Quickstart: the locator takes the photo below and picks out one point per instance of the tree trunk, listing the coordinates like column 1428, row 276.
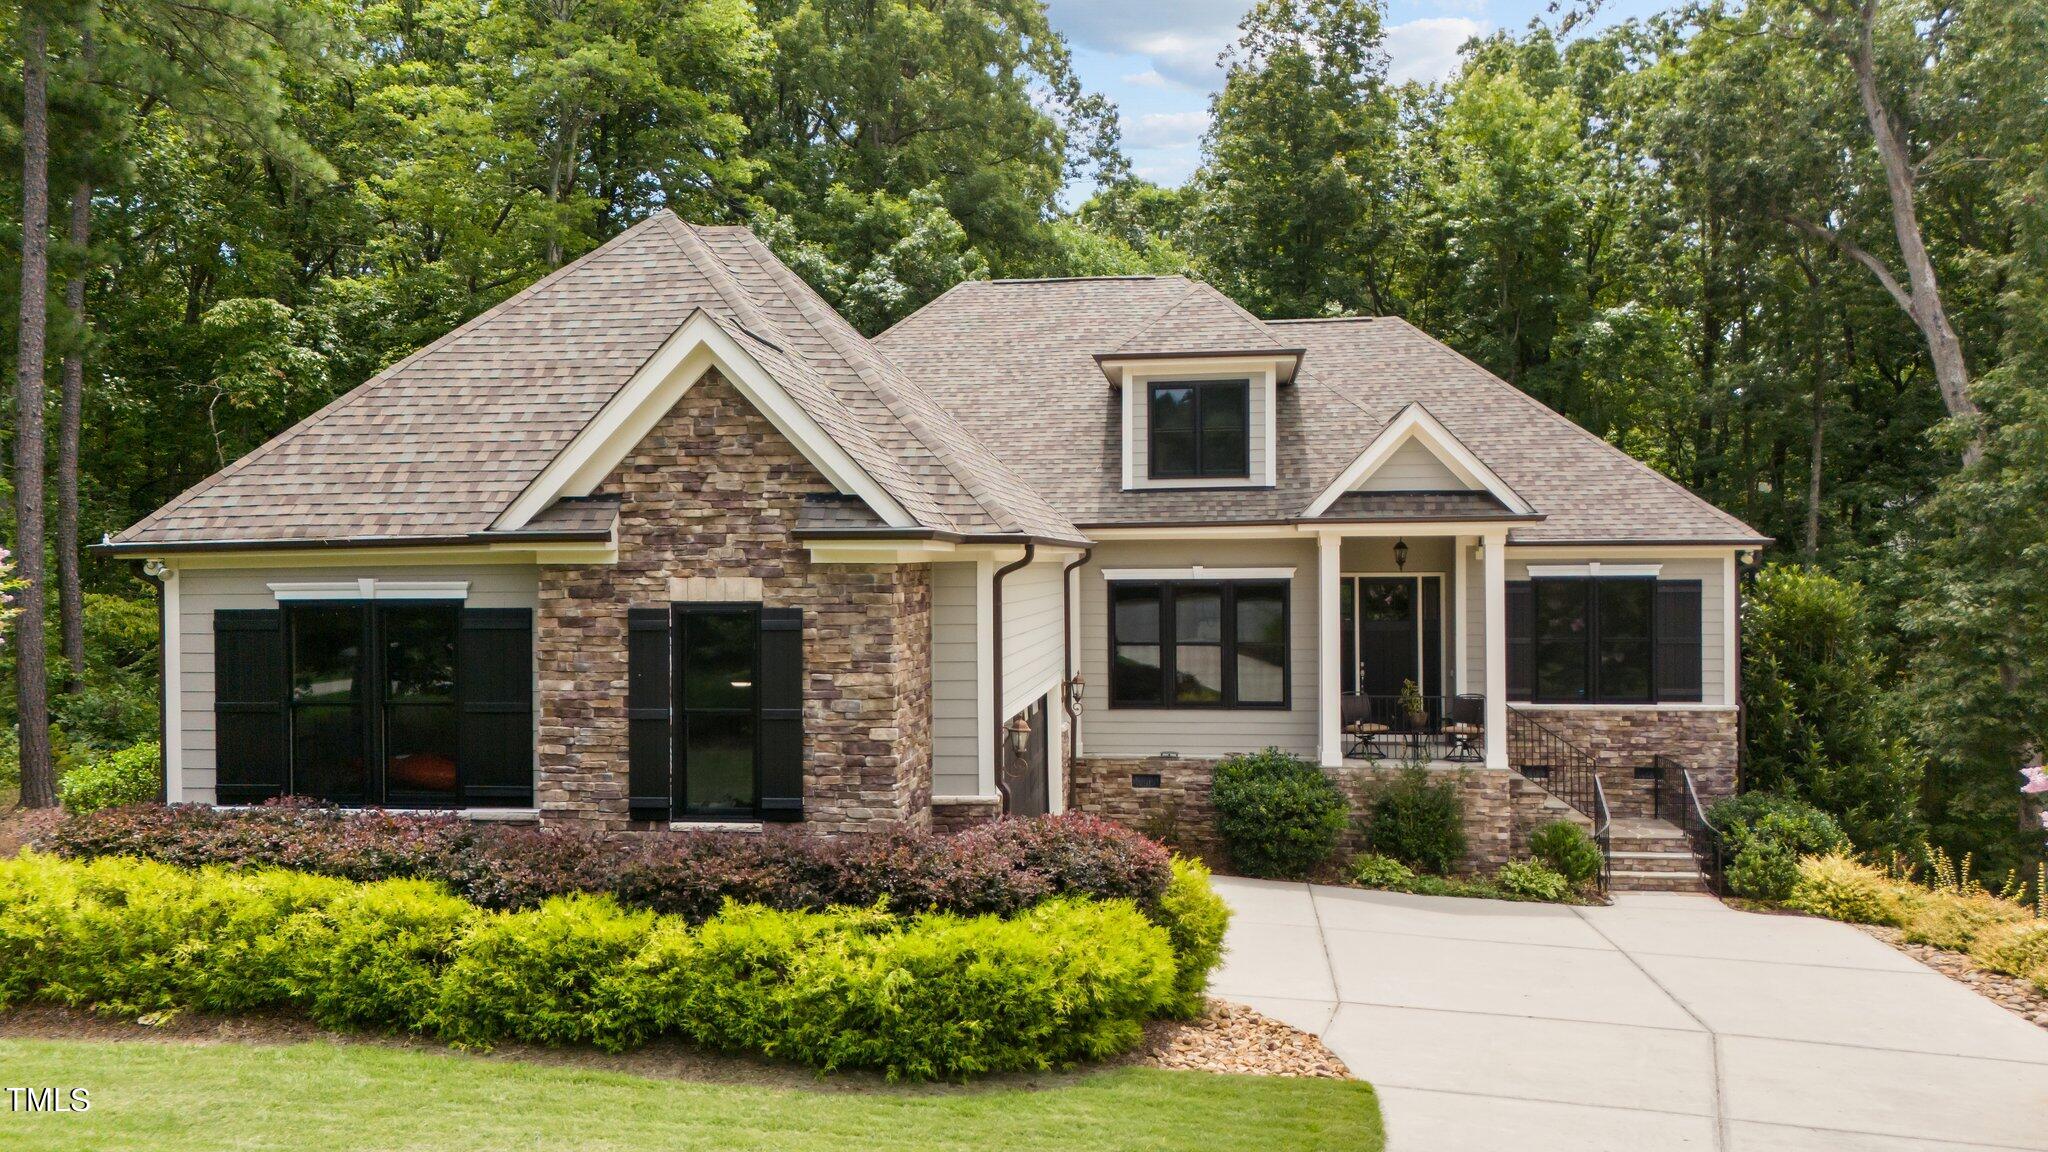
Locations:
column 1923, row 302
column 1813, row 470
column 70, row 412
column 32, row 687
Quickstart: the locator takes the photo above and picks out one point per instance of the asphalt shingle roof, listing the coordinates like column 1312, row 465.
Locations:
column 1015, row 360
column 439, row 444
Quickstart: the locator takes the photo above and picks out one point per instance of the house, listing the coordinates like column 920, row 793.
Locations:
column 662, row 539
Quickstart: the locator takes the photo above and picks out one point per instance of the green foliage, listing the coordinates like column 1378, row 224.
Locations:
column 1418, row 818
column 1839, row 887
column 2016, row 948
column 924, row 997
column 1195, row 919
column 129, row 776
column 1568, row 850
column 1954, row 920
column 1293, row 191
column 1816, row 730
column 1530, row 880
column 1372, row 870
column 1279, row 815
column 1766, row 836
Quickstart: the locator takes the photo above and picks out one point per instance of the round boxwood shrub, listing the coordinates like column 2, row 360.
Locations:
column 1568, row 850
column 1278, row 814
column 1418, row 818
column 1766, row 836
column 128, row 776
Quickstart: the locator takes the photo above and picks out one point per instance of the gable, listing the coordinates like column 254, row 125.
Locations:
column 1413, row 468
column 1415, row 425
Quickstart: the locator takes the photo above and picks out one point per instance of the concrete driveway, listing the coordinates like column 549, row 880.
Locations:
column 1663, row 1022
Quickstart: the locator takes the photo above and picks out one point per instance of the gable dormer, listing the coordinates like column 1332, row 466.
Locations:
column 1197, row 388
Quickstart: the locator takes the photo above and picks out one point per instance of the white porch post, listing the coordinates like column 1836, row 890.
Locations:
column 1329, row 680
column 1496, row 624
column 1460, row 618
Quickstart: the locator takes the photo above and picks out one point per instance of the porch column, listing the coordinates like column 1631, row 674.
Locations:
column 1460, row 618
column 1496, row 625
column 1329, row 679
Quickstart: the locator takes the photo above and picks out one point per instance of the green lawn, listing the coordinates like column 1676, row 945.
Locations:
column 324, row 1096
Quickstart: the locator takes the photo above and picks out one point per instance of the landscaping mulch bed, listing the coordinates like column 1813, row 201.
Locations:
column 1232, row 1038
column 2015, row 995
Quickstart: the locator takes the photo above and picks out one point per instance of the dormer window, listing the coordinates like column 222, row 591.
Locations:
column 1200, row 429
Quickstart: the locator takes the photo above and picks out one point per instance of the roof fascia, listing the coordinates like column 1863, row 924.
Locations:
column 697, row 345
column 1281, row 361
column 1415, row 422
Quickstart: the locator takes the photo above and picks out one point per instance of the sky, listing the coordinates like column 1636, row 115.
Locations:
column 1157, row 58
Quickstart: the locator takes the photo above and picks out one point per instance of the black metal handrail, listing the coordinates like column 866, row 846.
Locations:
column 1381, row 727
column 1566, row 770
column 1603, row 833
column 1677, row 800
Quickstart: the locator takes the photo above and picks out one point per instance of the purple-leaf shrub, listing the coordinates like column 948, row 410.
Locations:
column 1001, row 868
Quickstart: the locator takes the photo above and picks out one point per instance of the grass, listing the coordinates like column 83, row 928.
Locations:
column 173, row 1096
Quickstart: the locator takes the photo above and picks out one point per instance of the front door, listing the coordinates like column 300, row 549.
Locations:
column 1392, row 633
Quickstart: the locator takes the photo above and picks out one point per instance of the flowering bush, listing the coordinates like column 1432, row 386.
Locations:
column 997, row 868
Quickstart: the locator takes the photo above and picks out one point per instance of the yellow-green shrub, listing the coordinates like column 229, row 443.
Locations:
column 1195, row 918
column 2016, row 948
column 921, row 996
column 1953, row 920
column 1840, row 888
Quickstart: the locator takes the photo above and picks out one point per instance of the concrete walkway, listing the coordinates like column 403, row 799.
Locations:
column 1664, row 1022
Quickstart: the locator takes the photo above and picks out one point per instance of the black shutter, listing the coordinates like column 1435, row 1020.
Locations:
column 1678, row 640
column 494, row 693
column 781, row 701
column 1521, row 639
column 252, row 740
column 649, row 723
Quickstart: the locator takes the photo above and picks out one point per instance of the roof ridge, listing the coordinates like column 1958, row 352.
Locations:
column 1243, row 312
column 1154, row 318
column 863, row 357
column 359, row 392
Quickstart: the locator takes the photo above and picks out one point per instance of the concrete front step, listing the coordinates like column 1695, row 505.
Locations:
column 1654, row 861
column 1623, row 881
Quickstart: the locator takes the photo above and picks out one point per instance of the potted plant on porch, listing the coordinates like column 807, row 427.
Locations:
column 1412, row 705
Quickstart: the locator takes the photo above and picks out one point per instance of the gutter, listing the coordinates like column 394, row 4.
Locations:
column 1067, row 651
column 144, row 548
column 163, row 688
column 995, row 641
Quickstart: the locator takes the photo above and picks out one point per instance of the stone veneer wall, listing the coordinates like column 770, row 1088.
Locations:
column 1179, row 810
column 1703, row 740
column 713, row 492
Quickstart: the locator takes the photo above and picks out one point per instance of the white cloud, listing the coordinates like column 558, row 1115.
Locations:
column 1181, row 41
column 1149, row 78
column 1166, row 129
column 1427, row 49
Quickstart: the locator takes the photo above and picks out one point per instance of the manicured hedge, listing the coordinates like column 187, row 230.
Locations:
column 931, row 996
column 1002, row 867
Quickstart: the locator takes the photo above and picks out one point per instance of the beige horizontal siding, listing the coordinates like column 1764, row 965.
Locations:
column 956, row 764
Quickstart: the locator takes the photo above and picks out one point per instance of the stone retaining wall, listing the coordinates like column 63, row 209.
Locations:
column 711, row 495
column 1702, row 740
column 1178, row 810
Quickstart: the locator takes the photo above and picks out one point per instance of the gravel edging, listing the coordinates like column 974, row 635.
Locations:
column 2011, row 993
column 1232, row 1038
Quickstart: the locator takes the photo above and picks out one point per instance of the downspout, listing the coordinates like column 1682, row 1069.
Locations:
column 163, row 683
column 995, row 641
column 1067, row 649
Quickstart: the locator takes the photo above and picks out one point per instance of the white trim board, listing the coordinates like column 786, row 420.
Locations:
column 368, row 588
column 1593, row 568
column 1415, row 423
column 695, row 347
column 1198, row 572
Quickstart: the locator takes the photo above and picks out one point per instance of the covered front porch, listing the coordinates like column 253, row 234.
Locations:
column 1411, row 662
